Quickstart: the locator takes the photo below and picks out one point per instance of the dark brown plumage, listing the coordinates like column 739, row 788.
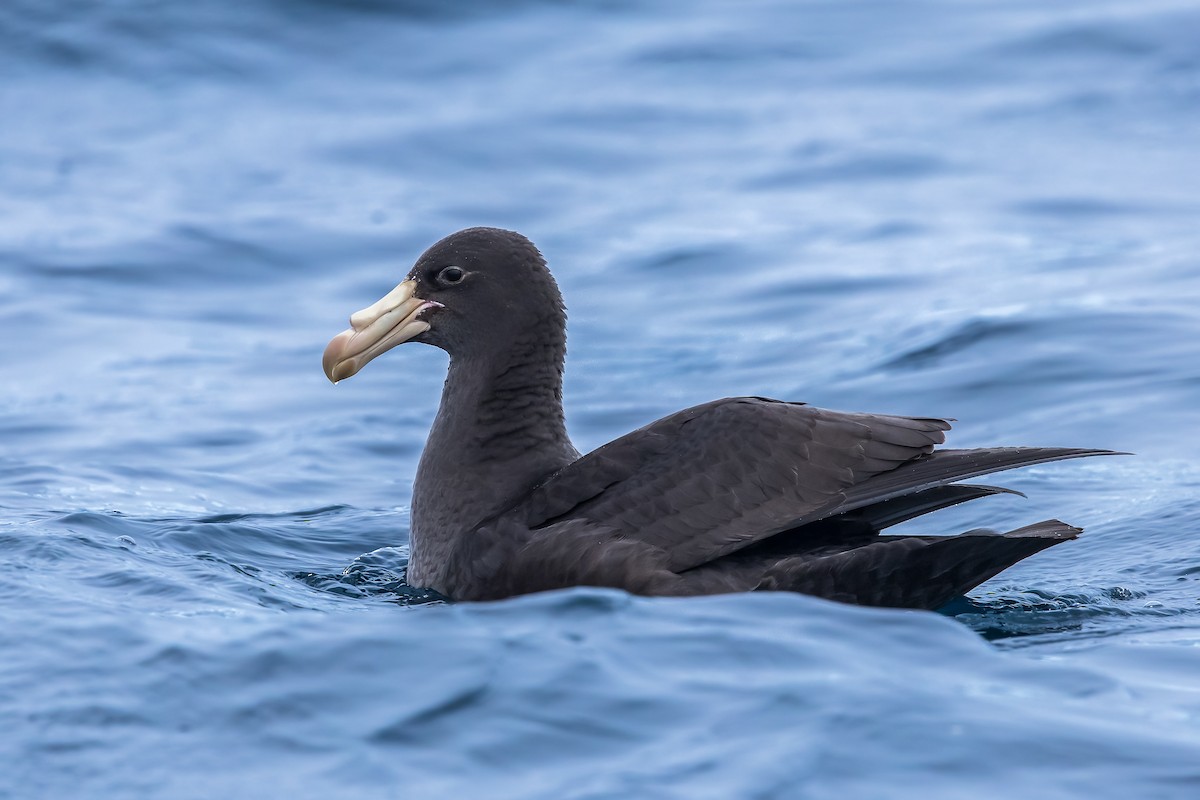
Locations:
column 734, row 495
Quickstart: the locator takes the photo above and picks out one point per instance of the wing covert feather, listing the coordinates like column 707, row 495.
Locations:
column 711, row 479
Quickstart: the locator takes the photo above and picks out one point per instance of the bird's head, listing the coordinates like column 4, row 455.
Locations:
column 474, row 293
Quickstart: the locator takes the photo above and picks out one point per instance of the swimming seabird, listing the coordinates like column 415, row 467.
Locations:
column 733, row 495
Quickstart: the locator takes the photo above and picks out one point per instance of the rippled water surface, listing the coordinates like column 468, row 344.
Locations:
column 981, row 210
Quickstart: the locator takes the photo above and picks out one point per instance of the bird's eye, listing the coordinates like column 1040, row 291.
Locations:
column 451, row 275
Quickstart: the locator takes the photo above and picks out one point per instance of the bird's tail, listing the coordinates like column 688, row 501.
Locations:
column 914, row 571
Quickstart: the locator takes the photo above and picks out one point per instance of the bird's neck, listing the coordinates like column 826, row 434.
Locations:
column 499, row 432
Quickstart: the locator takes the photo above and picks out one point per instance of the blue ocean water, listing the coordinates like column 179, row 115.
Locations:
column 982, row 210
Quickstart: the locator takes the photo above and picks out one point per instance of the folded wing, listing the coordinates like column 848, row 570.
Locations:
column 715, row 478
